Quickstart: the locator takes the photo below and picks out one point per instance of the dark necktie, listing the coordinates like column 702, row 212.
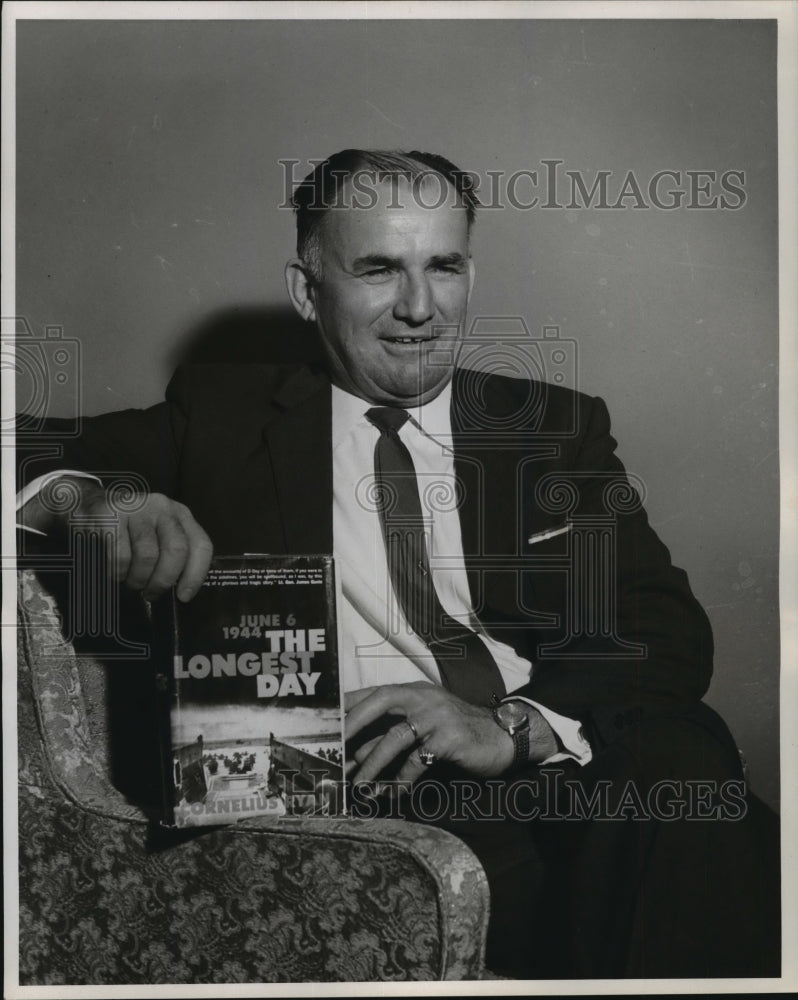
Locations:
column 467, row 668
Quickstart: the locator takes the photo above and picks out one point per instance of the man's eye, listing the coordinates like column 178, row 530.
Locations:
column 447, row 269
column 377, row 273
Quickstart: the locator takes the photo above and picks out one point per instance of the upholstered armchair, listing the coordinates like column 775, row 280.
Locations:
column 106, row 896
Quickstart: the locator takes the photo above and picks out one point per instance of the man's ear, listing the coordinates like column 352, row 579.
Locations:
column 472, row 273
column 299, row 283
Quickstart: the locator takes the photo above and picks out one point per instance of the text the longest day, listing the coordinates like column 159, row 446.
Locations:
column 290, row 653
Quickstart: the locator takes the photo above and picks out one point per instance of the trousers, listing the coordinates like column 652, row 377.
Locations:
column 653, row 860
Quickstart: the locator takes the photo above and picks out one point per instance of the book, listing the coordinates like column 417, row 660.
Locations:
column 251, row 708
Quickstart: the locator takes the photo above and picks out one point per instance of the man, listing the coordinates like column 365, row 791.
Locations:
column 606, row 659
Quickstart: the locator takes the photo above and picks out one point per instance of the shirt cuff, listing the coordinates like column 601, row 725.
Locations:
column 35, row 486
column 568, row 732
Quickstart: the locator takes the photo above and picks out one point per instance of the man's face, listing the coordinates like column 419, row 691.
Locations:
column 393, row 292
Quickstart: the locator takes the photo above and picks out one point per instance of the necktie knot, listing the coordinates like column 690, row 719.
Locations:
column 387, row 418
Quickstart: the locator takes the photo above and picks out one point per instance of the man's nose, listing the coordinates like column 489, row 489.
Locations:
column 414, row 304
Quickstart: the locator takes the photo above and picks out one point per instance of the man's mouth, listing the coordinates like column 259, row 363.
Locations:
column 408, row 340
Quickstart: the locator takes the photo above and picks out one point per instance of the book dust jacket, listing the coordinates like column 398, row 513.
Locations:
column 250, row 697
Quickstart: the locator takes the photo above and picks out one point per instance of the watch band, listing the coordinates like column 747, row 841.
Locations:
column 521, row 744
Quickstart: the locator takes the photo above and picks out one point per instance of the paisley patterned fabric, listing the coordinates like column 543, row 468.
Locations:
column 107, row 897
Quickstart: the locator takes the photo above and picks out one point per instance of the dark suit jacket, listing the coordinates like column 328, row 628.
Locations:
column 248, row 450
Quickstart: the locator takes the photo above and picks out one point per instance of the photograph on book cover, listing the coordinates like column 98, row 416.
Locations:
column 484, row 302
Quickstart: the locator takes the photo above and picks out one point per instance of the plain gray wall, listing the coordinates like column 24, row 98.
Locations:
column 148, row 187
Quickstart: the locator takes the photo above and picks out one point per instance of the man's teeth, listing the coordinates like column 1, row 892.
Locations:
column 407, row 340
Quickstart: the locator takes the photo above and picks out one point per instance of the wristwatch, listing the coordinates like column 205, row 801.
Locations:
column 513, row 718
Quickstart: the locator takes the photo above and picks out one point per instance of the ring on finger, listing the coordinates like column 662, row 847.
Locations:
column 413, row 729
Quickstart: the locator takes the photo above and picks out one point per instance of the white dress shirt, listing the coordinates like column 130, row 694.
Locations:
column 377, row 644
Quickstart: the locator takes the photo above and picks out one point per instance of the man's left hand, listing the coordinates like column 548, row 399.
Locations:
column 432, row 720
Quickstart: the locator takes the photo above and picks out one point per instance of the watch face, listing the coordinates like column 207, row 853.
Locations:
column 511, row 714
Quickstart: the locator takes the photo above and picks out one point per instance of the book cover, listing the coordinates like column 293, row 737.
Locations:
column 251, row 701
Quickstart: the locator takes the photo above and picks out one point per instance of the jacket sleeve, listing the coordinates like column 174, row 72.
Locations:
column 632, row 637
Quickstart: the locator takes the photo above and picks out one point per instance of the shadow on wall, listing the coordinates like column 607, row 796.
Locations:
column 249, row 334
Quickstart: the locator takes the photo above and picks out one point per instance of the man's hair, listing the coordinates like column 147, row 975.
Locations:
column 322, row 189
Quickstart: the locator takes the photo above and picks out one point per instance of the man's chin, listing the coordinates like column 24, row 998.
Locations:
column 392, row 388
column 410, row 394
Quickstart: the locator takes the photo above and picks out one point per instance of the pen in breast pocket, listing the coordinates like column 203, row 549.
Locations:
column 543, row 536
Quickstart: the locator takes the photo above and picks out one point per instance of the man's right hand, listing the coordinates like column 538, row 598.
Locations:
column 157, row 543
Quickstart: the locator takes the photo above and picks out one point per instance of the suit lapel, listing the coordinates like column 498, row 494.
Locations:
column 298, row 435
column 498, row 462
column 488, row 514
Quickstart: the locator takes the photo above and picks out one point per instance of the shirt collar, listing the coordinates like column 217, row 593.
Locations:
column 433, row 418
